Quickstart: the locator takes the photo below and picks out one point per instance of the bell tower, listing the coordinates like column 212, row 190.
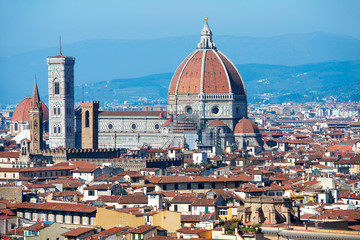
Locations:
column 61, row 101
column 36, row 123
column 89, row 124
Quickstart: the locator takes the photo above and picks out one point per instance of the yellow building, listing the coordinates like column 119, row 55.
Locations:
column 227, row 212
column 304, row 197
column 133, row 217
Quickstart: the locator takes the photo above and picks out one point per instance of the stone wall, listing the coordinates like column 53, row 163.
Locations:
column 13, row 193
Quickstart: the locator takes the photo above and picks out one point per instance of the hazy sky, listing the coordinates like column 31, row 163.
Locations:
column 28, row 25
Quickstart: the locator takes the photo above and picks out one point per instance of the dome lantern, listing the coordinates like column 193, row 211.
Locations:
column 206, row 37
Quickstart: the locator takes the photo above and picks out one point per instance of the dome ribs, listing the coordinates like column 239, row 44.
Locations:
column 236, row 81
column 177, row 73
column 188, row 83
column 213, row 79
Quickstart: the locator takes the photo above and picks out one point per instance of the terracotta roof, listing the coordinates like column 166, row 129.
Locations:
column 61, row 56
column 9, row 154
column 215, row 73
column 167, row 123
column 126, row 199
column 184, row 198
column 217, row 123
column 133, row 113
column 245, row 125
column 142, row 229
column 340, row 148
column 83, row 166
column 56, row 207
column 185, row 179
column 77, row 232
column 107, row 233
column 21, row 112
column 34, row 227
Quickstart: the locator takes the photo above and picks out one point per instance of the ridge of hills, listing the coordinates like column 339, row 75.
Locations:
column 102, row 60
column 264, row 83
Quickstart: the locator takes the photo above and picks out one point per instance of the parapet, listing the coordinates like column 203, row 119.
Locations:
column 87, row 104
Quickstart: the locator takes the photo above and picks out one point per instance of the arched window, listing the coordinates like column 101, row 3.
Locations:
column 23, row 150
column 58, row 111
column 35, row 124
column 54, row 129
column 56, row 88
column 54, row 111
column 59, row 130
column 87, row 119
column 16, row 127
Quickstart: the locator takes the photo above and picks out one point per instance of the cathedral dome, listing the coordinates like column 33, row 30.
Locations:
column 22, row 110
column 206, row 71
column 245, row 125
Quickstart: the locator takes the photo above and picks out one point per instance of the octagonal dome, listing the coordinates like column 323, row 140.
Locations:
column 207, row 71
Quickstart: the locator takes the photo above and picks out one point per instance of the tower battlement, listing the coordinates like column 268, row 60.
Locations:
column 85, row 104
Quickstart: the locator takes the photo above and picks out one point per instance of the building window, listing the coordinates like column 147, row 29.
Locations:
column 110, row 126
column 157, row 126
column 54, row 111
column 133, row 126
column 201, row 186
column 59, row 130
column 54, row 129
column 175, row 207
column 189, row 186
column 16, row 127
column 164, row 187
column 189, row 110
column 87, row 119
column 222, row 212
column 213, row 185
column 57, row 88
column 91, row 193
column 215, row 110
column 176, row 186
column 58, row 111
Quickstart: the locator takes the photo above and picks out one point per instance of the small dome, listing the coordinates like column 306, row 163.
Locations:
column 245, row 125
column 22, row 111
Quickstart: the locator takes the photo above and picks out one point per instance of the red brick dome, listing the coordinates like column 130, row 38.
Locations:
column 22, row 110
column 245, row 125
column 206, row 71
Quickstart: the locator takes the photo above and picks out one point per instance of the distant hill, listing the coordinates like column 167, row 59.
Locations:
column 264, row 83
column 104, row 59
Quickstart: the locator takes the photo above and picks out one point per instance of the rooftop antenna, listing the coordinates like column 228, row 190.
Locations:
column 60, row 44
